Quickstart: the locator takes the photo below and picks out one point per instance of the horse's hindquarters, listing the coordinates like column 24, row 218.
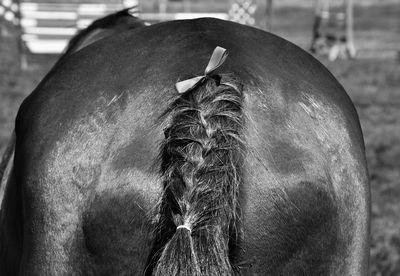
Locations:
column 305, row 197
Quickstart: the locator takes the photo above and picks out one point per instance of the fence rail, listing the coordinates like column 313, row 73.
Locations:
column 47, row 27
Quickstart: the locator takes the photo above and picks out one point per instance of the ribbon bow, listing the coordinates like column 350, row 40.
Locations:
column 217, row 59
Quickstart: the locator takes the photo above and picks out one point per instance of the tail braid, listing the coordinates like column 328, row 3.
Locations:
column 201, row 161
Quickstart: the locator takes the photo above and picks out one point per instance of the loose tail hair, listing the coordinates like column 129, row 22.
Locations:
column 5, row 159
column 201, row 163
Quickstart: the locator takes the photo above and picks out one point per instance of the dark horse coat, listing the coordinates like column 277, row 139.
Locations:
column 109, row 25
column 258, row 170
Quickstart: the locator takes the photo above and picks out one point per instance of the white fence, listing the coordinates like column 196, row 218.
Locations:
column 47, row 27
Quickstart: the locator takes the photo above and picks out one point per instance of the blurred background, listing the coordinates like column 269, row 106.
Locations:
column 358, row 40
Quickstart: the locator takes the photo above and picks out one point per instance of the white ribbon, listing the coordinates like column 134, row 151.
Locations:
column 185, row 226
column 217, row 59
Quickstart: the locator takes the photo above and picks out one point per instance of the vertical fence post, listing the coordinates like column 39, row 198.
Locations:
column 321, row 10
column 349, row 29
column 269, row 13
column 187, row 6
column 162, row 6
column 23, row 59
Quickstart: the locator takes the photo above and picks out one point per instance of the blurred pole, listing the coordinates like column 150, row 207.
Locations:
column 321, row 14
column 23, row 58
column 269, row 14
column 186, row 6
column 318, row 9
column 321, row 8
column 349, row 29
column 162, row 6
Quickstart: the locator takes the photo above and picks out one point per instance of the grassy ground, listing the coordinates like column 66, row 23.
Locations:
column 373, row 84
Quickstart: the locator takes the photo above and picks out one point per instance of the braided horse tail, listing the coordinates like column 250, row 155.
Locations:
column 201, row 163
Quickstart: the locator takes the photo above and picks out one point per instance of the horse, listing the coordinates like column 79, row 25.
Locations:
column 111, row 24
column 130, row 158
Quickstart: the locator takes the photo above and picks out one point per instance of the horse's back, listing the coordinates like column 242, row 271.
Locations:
column 87, row 154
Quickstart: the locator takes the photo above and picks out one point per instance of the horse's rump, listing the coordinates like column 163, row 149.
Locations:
column 266, row 176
